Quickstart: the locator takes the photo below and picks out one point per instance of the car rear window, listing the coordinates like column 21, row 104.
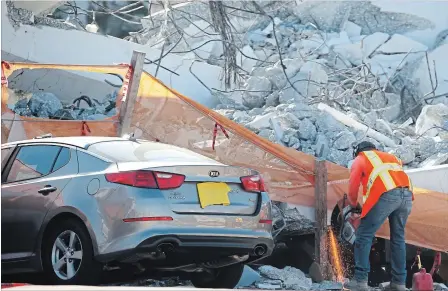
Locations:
column 129, row 151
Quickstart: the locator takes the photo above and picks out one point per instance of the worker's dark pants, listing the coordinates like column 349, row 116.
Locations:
column 396, row 205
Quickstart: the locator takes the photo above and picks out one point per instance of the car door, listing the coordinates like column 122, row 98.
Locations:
column 31, row 180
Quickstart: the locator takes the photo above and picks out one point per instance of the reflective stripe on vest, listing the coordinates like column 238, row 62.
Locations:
column 380, row 170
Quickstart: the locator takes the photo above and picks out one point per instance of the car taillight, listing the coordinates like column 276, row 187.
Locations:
column 169, row 181
column 253, row 183
column 147, row 179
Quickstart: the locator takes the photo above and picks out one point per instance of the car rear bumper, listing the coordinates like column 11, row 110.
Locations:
column 192, row 249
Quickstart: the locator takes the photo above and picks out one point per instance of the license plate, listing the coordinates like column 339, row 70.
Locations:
column 211, row 193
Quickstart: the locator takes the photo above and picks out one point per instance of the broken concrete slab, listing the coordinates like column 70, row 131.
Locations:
column 292, row 278
column 400, row 44
column 435, row 160
column 352, row 29
column 44, row 105
column 330, row 16
column 340, row 157
column 292, row 66
column 405, row 153
column 344, row 140
column 392, row 110
column 310, row 79
column 426, row 147
column 257, row 89
column 383, row 127
column 341, row 39
column 301, row 110
column 273, row 99
column 372, row 42
column 307, row 130
column 351, row 52
column 289, row 120
column 262, row 121
column 232, row 99
column 241, row 116
column 356, row 125
column 247, row 59
column 276, row 76
column 431, row 117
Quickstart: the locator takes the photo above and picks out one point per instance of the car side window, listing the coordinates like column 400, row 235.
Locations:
column 62, row 159
column 33, row 162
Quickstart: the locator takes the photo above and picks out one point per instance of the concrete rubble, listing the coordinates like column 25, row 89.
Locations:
column 289, row 278
column 265, row 278
column 316, row 76
column 340, row 64
column 48, row 105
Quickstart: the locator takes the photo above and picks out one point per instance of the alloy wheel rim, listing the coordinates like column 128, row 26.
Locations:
column 66, row 255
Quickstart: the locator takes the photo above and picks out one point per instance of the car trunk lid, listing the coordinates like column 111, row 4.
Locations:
column 214, row 188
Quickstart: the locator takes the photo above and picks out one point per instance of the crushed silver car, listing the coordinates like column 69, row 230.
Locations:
column 72, row 205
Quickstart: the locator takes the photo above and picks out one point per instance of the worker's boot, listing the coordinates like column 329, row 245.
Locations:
column 354, row 285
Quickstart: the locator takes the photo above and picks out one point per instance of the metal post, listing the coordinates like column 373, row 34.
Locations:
column 127, row 106
column 321, row 238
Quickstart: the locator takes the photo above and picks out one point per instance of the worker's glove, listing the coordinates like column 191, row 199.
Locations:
column 346, row 210
column 358, row 208
column 350, row 208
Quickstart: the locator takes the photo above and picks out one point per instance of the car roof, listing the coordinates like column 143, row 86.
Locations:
column 77, row 141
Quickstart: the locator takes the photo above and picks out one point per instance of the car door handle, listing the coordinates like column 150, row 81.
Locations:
column 47, row 190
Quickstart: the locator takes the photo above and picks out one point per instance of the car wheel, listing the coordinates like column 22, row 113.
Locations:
column 225, row 278
column 68, row 255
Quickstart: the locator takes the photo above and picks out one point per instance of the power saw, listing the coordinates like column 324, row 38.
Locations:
column 349, row 219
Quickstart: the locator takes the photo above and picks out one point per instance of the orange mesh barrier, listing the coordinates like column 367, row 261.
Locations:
column 161, row 113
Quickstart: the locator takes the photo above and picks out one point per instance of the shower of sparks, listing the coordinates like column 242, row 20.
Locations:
column 335, row 254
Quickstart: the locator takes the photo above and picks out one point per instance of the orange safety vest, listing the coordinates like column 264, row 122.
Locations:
column 383, row 172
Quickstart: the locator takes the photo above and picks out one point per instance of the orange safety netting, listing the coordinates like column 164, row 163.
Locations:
column 162, row 114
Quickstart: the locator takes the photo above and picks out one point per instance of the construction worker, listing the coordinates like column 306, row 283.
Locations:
column 387, row 193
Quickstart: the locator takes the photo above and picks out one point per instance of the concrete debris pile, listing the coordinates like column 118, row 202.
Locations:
column 263, row 278
column 288, row 278
column 318, row 77
column 321, row 91
column 48, row 105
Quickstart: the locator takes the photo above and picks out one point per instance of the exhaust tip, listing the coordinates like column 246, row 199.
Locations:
column 260, row 250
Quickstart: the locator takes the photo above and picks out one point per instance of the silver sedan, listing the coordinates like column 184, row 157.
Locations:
column 72, row 205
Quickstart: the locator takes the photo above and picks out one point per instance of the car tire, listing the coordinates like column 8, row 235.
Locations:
column 75, row 265
column 225, row 278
